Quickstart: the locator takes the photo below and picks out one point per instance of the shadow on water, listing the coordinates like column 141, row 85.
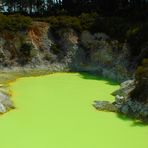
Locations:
column 91, row 76
column 134, row 121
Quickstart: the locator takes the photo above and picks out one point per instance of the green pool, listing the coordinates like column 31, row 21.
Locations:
column 55, row 111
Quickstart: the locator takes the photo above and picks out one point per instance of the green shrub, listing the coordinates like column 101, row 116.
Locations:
column 55, row 49
column 64, row 22
column 142, row 71
column 14, row 22
column 84, row 22
column 132, row 31
column 115, row 27
column 136, row 37
column 88, row 20
column 25, row 53
column 48, row 57
column 145, row 62
column 140, row 93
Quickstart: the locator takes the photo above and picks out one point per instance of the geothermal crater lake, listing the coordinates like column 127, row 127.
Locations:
column 55, row 111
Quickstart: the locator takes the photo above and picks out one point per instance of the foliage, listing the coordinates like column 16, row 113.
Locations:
column 83, row 22
column 140, row 93
column 25, row 53
column 64, row 22
column 88, row 20
column 142, row 70
column 55, row 49
column 14, row 22
column 137, row 36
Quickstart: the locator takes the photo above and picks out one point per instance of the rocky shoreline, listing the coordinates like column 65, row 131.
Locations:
column 123, row 104
column 9, row 75
column 5, row 102
column 12, row 73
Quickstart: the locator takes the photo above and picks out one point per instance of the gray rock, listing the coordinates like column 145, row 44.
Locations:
column 125, row 109
column 124, row 104
column 119, row 99
column 3, row 97
column 105, row 106
column 6, row 102
column 118, row 106
column 128, row 86
column 144, row 112
column 135, row 106
column 2, row 108
column 125, row 88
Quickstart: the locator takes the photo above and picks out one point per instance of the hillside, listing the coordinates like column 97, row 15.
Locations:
column 66, row 43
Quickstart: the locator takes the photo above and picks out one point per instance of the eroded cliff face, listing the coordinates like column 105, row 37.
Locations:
column 38, row 47
column 68, row 50
column 106, row 56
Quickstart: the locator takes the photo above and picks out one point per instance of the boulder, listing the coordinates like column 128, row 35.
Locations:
column 124, row 104
column 105, row 106
column 119, row 99
column 125, row 88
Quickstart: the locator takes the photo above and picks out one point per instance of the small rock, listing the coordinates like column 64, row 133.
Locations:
column 105, row 106
column 125, row 89
column 119, row 99
column 2, row 108
column 6, row 102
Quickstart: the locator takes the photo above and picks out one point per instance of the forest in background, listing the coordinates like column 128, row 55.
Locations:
column 73, row 7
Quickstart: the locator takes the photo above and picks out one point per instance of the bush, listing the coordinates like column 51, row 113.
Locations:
column 142, row 71
column 55, row 49
column 64, row 22
column 14, row 22
column 25, row 53
column 115, row 27
column 84, row 22
column 140, row 93
column 88, row 20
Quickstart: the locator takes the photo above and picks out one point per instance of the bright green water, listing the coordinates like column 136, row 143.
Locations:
column 55, row 111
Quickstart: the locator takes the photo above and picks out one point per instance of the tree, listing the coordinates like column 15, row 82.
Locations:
column 68, row 4
column 74, row 7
